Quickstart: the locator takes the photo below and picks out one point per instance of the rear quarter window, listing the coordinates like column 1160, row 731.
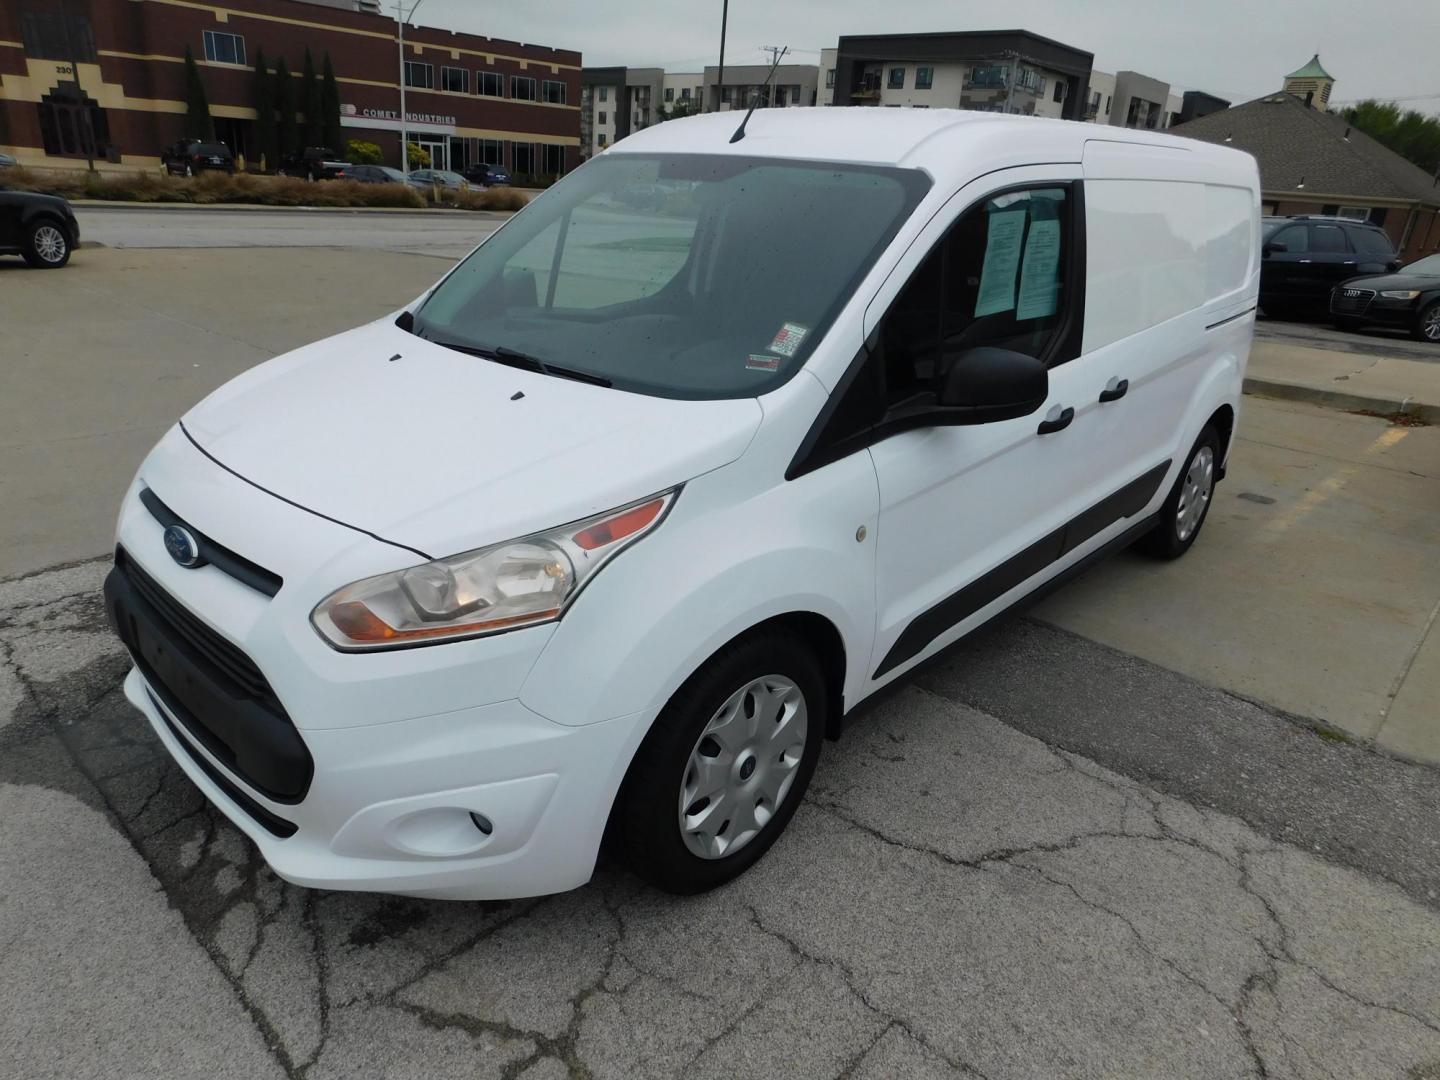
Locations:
column 1371, row 242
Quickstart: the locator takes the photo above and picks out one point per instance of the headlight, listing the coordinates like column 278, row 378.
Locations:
column 1400, row 294
column 502, row 587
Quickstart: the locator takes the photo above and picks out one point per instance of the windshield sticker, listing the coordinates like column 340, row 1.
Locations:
column 758, row 362
column 788, row 340
column 1039, row 282
column 1002, row 258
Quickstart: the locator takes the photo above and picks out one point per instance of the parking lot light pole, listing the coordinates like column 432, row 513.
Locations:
column 404, row 142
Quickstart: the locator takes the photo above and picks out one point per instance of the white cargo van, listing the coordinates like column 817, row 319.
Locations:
column 711, row 442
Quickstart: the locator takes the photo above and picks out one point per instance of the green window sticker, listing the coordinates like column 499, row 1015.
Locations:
column 1039, row 276
column 1002, row 259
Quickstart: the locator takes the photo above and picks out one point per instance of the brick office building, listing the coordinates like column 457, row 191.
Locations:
column 468, row 98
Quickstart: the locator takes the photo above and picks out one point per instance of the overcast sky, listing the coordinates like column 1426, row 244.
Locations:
column 1238, row 49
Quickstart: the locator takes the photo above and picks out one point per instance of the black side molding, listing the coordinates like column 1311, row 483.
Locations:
column 989, row 587
column 1232, row 318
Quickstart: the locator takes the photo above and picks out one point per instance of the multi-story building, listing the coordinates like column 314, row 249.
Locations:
column 1012, row 71
column 684, row 91
column 791, row 85
column 106, row 78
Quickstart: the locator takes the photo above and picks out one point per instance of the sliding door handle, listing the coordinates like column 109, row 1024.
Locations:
column 1057, row 419
column 1114, row 390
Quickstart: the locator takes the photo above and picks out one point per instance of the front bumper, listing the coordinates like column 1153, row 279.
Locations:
column 390, row 806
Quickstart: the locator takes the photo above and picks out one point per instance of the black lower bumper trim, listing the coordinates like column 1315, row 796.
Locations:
column 270, row 822
column 234, row 719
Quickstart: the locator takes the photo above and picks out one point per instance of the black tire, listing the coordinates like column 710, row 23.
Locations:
column 1428, row 322
column 41, row 239
column 1166, row 541
column 647, row 810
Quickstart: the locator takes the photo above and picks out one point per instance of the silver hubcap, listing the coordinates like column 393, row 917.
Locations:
column 49, row 244
column 743, row 766
column 1431, row 327
column 1195, row 492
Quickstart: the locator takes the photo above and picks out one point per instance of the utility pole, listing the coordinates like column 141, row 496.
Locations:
column 720, row 83
column 777, row 53
column 404, row 142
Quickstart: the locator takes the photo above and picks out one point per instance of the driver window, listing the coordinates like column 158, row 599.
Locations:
column 998, row 278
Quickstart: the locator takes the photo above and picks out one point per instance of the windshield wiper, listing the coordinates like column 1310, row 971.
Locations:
column 513, row 358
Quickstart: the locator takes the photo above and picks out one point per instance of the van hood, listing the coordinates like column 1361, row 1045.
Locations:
column 441, row 452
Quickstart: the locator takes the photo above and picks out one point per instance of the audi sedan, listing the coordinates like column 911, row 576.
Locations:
column 1407, row 300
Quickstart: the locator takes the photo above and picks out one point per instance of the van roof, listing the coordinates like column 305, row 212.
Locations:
column 932, row 139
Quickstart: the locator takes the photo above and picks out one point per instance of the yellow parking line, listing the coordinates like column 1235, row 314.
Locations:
column 1328, row 488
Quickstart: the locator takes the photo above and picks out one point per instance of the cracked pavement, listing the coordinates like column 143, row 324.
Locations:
column 1091, row 896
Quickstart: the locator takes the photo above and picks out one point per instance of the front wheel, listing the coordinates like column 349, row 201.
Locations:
column 722, row 771
column 1185, row 509
column 1427, row 325
column 47, row 246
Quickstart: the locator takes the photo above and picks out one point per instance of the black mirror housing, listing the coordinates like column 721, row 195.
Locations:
column 988, row 384
column 1273, row 247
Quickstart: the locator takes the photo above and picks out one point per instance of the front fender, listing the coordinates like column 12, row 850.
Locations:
column 720, row 564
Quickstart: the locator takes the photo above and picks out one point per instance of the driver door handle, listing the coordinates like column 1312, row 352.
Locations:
column 1057, row 419
column 1115, row 389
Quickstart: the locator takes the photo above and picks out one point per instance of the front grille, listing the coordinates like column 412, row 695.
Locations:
column 220, row 652
column 1351, row 301
column 209, row 686
column 213, row 553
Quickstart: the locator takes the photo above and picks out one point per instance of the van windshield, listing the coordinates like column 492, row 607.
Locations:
column 686, row 276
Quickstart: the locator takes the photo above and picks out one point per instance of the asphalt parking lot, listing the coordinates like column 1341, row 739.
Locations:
column 1102, row 839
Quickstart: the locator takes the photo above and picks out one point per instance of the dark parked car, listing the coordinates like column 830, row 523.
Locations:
column 1304, row 257
column 315, row 163
column 40, row 227
column 190, row 157
column 1408, row 299
column 374, row 174
column 488, row 175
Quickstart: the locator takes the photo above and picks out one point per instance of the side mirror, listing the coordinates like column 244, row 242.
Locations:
column 987, row 384
column 1273, row 247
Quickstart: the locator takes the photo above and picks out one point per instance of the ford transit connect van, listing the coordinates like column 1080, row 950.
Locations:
column 715, row 439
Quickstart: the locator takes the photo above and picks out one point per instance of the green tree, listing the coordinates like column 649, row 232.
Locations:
column 1411, row 134
column 358, row 152
column 286, row 137
column 265, row 134
column 419, row 156
column 198, row 122
column 310, row 102
column 330, row 109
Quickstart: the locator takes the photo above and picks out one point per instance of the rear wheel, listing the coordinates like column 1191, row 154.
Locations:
column 1185, row 509
column 720, row 774
column 1427, row 324
column 47, row 245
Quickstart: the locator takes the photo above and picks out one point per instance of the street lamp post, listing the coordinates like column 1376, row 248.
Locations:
column 404, row 142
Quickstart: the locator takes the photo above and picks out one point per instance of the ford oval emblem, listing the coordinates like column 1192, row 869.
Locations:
column 182, row 546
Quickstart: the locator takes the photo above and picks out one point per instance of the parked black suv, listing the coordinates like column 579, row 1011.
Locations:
column 40, row 227
column 1304, row 257
column 190, row 157
column 1408, row 300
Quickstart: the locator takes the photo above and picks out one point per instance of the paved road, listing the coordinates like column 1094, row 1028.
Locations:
column 1370, row 340
column 1041, row 858
column 446, row 234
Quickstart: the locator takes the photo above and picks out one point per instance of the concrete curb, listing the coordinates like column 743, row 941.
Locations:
column 253, row 208
column 1339, row 399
